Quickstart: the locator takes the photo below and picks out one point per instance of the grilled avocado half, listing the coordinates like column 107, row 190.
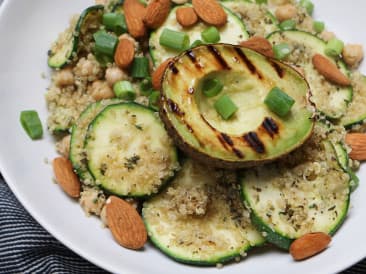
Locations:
column 254, row 134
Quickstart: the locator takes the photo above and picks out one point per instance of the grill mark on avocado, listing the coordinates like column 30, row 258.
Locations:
column 216, row 53
column 173, row 68
column 238, row 153
column 254, row 142
column 227, row 139
column 193, row 58
column 248, row 63
column 174, row 107
column 278, row 69
column 270, row 126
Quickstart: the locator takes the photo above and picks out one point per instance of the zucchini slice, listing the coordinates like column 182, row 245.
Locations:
column 128, row 150
column 200, row 219
column 78, row 134
column 356, row 112
column 66, row 47
column 306, row 192
column 232, row 33
column 330, row 99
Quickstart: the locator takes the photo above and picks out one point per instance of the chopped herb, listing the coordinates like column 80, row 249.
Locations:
column 131, row 162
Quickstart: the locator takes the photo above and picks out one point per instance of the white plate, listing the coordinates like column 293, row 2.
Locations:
column 26, row 29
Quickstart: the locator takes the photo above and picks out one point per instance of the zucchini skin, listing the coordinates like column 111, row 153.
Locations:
column 74, row 40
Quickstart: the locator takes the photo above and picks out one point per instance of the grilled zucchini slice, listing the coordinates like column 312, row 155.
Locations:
column 306, row 192
column 65, row 48
column 330, row 99
column 255, row 134
column 232, row 33
column 199, row 219
column 128, row 150
column 78, row 134
column 356, row 111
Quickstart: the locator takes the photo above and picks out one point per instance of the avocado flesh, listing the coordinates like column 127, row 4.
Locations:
column 254, row 134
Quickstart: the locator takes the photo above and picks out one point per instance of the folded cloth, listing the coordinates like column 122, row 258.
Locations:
column 25, row 247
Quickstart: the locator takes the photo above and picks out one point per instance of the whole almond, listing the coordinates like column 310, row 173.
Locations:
column 260, row 45
column 125, row 223
column 156, row 13
column 210, row 11
column 186, row 16
column 125, row 52
column 66, row 177
column 357, row 142
column 158, row 74
column 134, row 13
column 329, row 70
column 309, row 245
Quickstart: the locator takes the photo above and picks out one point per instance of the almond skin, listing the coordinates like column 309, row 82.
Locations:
column 309, row 245
column 329, row 70
column 357, row 141
column 134, row 13
column 186, row 16
column 157, row 75
column 156, row 13
column 125, row 223
column 260, row 45
column 66, row 177
column 125, row 52
column 210, row 11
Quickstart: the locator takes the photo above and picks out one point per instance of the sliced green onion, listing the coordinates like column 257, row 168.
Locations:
column 146, row 86
column 31, row 123
column 105, row 43
column 212, row 87
column 288, row 25
column 175, row 40
column 154, row 100
column 318, row 26
column 210, row 35
column 140, row 67
column 225, row 107
column 334, row 47
column 308, row 5
column 281, row 51
column 124, row 90
column 279, row 102
column 115, row 22
column 196, row 43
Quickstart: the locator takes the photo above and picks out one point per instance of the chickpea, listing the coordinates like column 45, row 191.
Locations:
column 353, row 54
column 64, row 77
column 327, row 35
column 63, row 146
column 285, row 12
column 115, row 74
column 100, row 90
